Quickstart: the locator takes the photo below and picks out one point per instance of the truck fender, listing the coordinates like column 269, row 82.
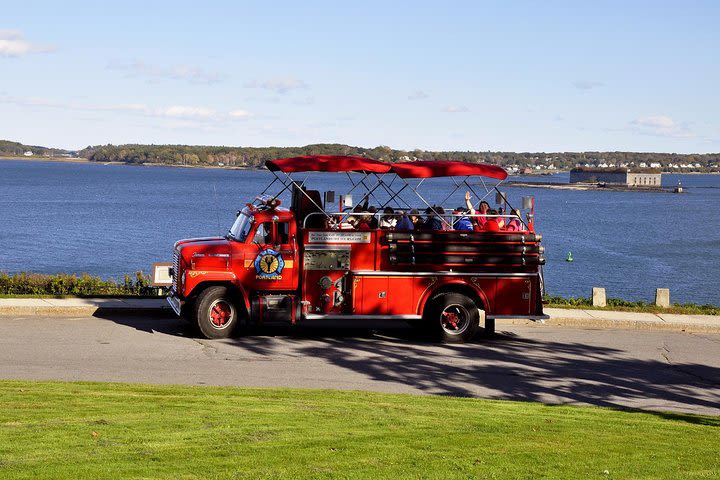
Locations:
column 196, row 280
column 456, row 286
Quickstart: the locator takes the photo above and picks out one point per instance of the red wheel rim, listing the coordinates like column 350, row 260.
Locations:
column 221, row 314
column 454, row 319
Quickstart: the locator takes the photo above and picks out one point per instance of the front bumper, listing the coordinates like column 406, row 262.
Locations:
column 175, row 303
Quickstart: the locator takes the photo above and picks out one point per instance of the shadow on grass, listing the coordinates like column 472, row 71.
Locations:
column 506, row 366
column 695, row 419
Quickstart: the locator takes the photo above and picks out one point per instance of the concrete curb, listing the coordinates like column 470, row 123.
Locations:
column 625, row 320
column 78, row 307
column 75, row 307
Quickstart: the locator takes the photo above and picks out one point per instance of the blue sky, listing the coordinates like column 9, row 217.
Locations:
column 511, row 76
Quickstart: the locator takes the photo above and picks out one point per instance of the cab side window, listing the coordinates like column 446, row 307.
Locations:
column 263, row 234
column 283, row 230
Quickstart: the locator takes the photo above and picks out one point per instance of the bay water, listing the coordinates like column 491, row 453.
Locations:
column 109, row 220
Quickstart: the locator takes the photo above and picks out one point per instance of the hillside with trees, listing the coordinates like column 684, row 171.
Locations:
column 255, row 157
column 15, row 149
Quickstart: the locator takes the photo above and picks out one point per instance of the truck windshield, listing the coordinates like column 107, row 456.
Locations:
column 240, row 229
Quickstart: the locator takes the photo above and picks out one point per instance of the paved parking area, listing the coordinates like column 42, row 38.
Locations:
column 655, row 370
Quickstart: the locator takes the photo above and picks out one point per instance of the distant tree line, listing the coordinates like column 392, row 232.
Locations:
column 255, row 157
column 15, row 149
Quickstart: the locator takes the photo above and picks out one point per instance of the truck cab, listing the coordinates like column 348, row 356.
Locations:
column 217, row 280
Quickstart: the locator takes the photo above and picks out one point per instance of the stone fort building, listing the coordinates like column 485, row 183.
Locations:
column 621, row 176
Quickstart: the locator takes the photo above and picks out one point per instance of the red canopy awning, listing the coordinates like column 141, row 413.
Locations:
column 327, row 163
column 447, row 168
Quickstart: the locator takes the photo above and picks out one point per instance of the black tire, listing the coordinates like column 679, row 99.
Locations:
column 452, row 318
column 217, row 312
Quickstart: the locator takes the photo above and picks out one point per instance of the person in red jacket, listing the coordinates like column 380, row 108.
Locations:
column 491, row 223
column 478, row 222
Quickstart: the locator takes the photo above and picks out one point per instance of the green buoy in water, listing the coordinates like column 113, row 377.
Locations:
column 569, row 257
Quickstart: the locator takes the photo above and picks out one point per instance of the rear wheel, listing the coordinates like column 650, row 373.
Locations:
column 452, row 318
column 216, row 312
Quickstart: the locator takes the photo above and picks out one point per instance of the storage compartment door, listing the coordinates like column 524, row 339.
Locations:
column 370, row 295
column 513, row 296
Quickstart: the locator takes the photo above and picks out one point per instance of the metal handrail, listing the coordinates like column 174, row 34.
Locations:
column 342, row 216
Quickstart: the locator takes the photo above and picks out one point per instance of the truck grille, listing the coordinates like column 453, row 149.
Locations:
column 176, row 266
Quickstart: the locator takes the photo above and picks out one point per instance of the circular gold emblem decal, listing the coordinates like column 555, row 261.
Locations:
column 269, row 263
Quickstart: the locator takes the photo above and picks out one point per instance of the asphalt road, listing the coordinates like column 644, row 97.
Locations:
column 560, row 365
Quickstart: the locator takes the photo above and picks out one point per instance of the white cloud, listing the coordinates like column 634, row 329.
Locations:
column 240, row 114
column 456, row 109
column 187, row 125
column 280, row 85
column 661, row 126
column 587, row 84
column 174, row 72
column 128, row 107
column 658, row 121
column 13, row 44
column 180, row 111
column 31, row 101
column 419, row 95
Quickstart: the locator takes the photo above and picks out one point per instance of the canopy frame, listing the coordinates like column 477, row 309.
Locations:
column 282, row 170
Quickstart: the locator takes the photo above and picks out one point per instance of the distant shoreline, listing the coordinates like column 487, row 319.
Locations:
column 216, row 167
column 129, row 164
column 47, row 159
column 591, row 186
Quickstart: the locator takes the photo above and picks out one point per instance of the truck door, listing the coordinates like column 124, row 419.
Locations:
column 275, row 263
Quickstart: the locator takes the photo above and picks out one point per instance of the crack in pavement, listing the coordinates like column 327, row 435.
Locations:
column 209, row 350
column 665, row 353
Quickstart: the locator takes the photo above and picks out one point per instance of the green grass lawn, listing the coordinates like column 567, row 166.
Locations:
column 87, row 430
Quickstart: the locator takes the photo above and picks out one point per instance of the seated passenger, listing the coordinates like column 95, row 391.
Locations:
column 478, row 222
column 366, row 223
column 433, row 222
column 355, row 217
column 500, row 220
column 346, row 224
column 331, row 223
column 372, row 218
column 515, row 224
column 491, row 223
column 416, row 219
column 463, row 223
column 484, row 209
column 387, row 219
column 404, row 223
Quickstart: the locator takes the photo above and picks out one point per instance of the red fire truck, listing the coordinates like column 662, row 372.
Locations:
column 324, row 259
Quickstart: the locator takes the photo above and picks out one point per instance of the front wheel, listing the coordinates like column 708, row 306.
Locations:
column 216, row 312
column 452, row 318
